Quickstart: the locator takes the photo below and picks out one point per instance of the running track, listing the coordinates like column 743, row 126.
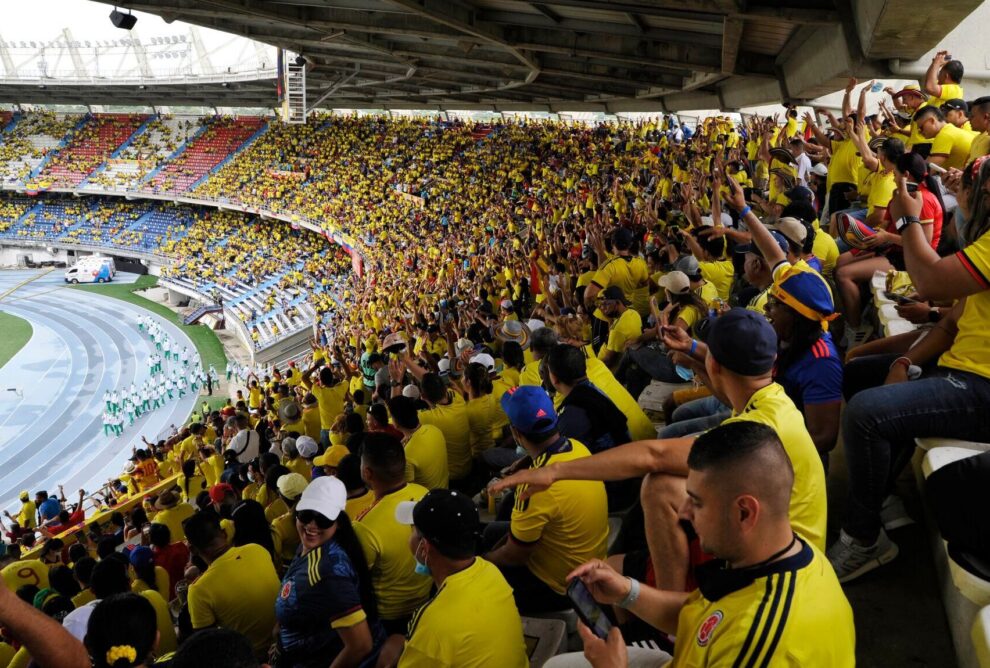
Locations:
column 83, row 344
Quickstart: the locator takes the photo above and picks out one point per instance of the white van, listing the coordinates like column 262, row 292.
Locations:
column 91, row 269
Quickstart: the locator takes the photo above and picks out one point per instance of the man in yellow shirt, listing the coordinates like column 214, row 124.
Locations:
column 27, row 516
column 385, row 542
column 549, row 534
column 426, row 449
column 737, row 364
column 625, row 325
column 472, row 620
column 330, row 393
column 238, row 589
column 943, row 79
column 950, row 145
column 738, row 486
column 979, row 119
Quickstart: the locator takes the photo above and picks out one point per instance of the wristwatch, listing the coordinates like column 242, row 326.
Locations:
column 903, row 222
column 394, row 383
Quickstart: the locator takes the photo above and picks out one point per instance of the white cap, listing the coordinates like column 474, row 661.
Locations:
column 792, row 228
column 306, row 447
column 444, row 366
column 726, row 219
column 821, row 169
column 485, row 360
column 411, row 391
column 676, row 282
column 326, row 495
column 535, row 324
column 463, row 344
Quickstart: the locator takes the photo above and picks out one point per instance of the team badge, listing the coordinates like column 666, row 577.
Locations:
column 708, row 627
column 286, row 590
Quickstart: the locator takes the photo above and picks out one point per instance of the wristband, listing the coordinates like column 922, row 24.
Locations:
column 903, row 361
column 904, row 221
column 934, row 315
column 694, row 345
column 632, row 596
column 746, row 209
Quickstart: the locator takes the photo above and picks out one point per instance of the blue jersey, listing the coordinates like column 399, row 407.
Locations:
column 816, row 377
column 320, row 594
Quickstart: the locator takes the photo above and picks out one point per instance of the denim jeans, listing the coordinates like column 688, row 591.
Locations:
column 695, row 416
column 881, row 423
column 639, row 367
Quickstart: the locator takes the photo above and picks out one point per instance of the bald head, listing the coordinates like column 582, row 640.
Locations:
column 746, row 457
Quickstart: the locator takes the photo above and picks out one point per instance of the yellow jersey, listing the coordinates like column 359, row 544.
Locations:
column 627, row 326
column 399, row 590
column 954, row 143
column 25, row 572
column 969, row 351
column 358, row 504
column 238, row 592
column 979, row 148
column 313, row 422
column 601, row 376
column 426, row 458
column 471, row 622
column 167, row 641
column 844, row 165
column 720, row 274
column 173, row 519
column 771, row 406
column 770, row 615
column 632, row 275
column 452, row 420
column 331, row 402
column 531, row 374
column 568, row 522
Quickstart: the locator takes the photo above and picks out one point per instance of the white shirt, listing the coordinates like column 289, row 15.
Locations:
column 76, row 621
column 249, row 441
column 803, row 168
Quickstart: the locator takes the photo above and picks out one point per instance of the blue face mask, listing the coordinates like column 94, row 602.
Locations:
column 421, row 568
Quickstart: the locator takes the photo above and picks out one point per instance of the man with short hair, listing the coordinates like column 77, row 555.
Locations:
column 398, row 588
column 625, row 325
column 452, row 629
column 803, row 163
column 425, row 447
column 245, row 442
column 553, row 532
column 950, row 145
column 767, row 595
column 237, row 589
column 979, row 120
column 109, row 577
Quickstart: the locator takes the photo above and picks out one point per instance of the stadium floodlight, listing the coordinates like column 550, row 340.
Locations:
column 122, row 20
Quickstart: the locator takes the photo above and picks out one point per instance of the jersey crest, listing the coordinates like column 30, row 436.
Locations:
column 707, row 628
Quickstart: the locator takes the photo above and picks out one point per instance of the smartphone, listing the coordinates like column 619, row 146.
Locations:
column 592, row 615
column 900, row 299
column 938, row 169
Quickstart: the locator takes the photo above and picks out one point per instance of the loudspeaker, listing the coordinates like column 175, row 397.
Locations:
column 122, row 20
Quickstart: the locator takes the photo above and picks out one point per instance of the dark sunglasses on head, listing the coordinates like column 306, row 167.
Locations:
column 306, row 516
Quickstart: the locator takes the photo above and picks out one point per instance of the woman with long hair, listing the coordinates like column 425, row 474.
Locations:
column 327, row 612
column 882, row 251
column 192, row 481
column 880, row 424
column 484, row 413
column 250, row 526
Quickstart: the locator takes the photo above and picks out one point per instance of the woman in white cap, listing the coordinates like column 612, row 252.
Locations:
column 326, row 607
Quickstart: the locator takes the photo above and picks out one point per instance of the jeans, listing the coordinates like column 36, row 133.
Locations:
column 641, row 366
column 881, row 423
column 865, row 372
column 695, row 416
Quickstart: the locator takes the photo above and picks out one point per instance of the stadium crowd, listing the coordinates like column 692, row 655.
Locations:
column 516, row 311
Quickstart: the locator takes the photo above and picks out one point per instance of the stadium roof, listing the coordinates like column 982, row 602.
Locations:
column 548, row 55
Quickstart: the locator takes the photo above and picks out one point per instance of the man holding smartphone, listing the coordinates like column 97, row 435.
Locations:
column 767, row 595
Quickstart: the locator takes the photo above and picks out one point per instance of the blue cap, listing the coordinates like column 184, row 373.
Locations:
column 755, row 250
column 142, row 556
column 743, row 342
column 529, row 409
column 806, row 292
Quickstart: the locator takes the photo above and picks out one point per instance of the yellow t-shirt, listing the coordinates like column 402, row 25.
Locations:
column 979, row 148
column 81, row 599
column 162, row 583
column 826, row 250
column 331, row 402
column 399, row 590
column 568, row 522
column 25, row 572
column 531, row 374
column 950, row 91
column 238, row 592
column 709, row 293
column 772, row 619
column 969, row 351
column 720, row 274
column 452, row 420
column 632, row 275
column 358, row 504
column 167, row 641
column 954, row 143
column 844, row 164
column 771, row 406
column 300, row 466
column 173, row 519
column 313, row 422
column 426, row 458
column 882, row 187
column 627, row 326
column 471, row 622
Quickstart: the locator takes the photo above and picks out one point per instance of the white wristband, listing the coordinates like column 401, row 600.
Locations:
column 632, row 596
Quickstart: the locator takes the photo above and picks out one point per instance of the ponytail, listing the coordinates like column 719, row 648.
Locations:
column 121, row 631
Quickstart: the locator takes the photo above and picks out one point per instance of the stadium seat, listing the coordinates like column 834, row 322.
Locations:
column 543, row 638
column 928, row 443
column 963, row 592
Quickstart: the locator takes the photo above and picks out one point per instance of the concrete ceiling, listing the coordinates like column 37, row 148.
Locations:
column 545, row 55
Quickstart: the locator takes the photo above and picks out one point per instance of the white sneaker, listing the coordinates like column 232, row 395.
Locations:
column 893, row 514
column 851, row 560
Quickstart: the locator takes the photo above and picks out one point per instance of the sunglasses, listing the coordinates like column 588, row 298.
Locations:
column 304, row 517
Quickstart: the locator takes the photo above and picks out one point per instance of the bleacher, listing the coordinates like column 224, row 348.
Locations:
column 160, row 138
column 30, row 142
column 222, row 137
column 89, row 148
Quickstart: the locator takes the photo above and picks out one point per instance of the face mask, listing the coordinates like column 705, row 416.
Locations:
column 250, row 477
column 421, row 568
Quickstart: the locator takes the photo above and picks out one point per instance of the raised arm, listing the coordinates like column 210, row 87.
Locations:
column 932, row 86
column 761, row 235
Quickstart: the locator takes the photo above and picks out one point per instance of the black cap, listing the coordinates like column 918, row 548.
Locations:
column 955, row 104
column 614, row 293
column 800, row 193
column 447, row 519
column 743, row 342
